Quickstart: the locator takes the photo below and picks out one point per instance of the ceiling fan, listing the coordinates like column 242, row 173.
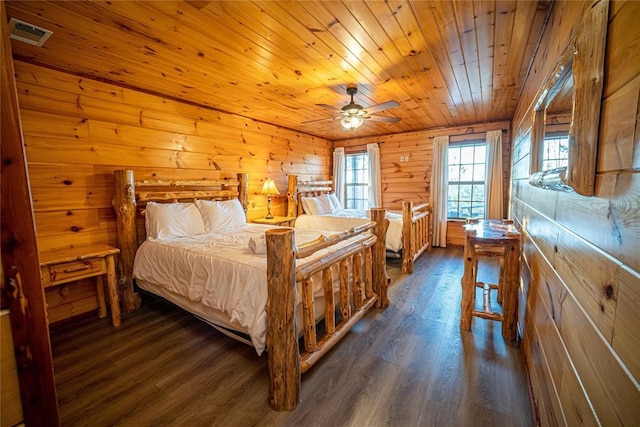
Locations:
column 353, row 115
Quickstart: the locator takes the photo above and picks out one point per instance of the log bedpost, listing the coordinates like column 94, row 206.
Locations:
column 282, row 339
column 380, row 278
column 408, row 248
column 292, row 196
column 243, row 192
column 430, row 228
column 124, row 204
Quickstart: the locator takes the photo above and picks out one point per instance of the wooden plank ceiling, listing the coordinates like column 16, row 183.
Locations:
column 446, row 63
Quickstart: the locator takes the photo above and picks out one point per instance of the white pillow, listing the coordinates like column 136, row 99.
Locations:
column 305, row 205
column 317, row 205
column 325, row 203
column 164, row 220
column 219, row 215
column 335, row 203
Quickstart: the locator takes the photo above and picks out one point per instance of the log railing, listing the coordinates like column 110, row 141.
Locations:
column 360, row 266
column 416, row 233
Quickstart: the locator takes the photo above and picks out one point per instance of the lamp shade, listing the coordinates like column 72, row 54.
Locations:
column 269, row 187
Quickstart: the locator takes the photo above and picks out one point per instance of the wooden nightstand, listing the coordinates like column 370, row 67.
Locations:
column 70, row 264
column 285, row 221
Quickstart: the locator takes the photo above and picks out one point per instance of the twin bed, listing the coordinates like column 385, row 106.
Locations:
column 315, row 207
column 271, row 285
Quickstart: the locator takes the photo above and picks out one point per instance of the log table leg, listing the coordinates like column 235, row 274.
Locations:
column 112, row 285
column 102, row 306
column 510, row 291
column 468, row 282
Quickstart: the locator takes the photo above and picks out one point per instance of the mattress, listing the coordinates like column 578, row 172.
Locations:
column 344, row 219
column 217, row 272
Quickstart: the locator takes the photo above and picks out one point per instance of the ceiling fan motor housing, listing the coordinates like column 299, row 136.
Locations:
column 352, row 107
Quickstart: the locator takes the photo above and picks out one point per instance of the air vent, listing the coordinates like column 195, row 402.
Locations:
column 28, row 33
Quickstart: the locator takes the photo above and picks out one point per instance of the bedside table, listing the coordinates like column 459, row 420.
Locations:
column 70, row 264
column 285, row 221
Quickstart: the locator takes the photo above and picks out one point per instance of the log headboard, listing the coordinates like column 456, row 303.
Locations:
column 298, row 189
column 130, row 199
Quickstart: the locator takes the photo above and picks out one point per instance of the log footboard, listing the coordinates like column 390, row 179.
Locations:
column 363, row 280
column 416, row 233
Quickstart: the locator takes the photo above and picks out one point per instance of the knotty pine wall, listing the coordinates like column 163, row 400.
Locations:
column 581, row 255
column 411, row 180
column 77, row 131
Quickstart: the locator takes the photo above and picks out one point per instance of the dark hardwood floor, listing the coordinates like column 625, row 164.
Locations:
column 409, row 365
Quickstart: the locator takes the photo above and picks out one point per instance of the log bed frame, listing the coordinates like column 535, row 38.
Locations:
column 361, row 266
column 416, row 220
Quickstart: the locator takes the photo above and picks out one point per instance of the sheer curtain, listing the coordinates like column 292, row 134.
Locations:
column 439, row 184
column 375, row 186
column 338, row 174
column 493, row 183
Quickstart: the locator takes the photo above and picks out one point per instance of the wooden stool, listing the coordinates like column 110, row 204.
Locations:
column 491, row 239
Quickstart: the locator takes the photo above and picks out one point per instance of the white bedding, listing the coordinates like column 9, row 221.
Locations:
column 345, row 219
column 219, row 271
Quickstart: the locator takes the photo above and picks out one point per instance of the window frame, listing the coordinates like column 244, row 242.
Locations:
column 473, row 183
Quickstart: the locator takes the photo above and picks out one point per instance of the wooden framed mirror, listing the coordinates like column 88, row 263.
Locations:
column 566, row 114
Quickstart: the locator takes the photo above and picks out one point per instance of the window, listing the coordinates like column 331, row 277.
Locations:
column 467, row 170
column 556, row 150
column 357, row 181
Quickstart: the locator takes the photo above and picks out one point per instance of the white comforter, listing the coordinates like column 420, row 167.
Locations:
column 219, row 271
column 345, row 219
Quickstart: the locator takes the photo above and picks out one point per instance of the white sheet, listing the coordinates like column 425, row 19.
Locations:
column 219, row 271
column 345, row 219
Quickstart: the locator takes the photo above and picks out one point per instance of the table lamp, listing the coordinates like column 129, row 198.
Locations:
column 269, row 188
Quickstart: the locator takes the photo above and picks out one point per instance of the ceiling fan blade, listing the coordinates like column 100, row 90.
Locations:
column 382, row 107
column 384, row 119
column 328, row 107
column 326, row 119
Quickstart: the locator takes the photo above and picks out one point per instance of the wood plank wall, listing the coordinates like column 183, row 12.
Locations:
column 77, row 131
column 581, row 269
column 411, row 180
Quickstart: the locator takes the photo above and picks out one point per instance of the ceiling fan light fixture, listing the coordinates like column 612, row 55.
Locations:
column 352, row 122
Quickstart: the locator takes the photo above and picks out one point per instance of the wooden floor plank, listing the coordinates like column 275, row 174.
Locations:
column 408, row 365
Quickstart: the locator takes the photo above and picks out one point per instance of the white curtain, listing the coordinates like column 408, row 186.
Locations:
column 493, row 182
column 338, row 174
column 375, row 185
column 439, row 184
